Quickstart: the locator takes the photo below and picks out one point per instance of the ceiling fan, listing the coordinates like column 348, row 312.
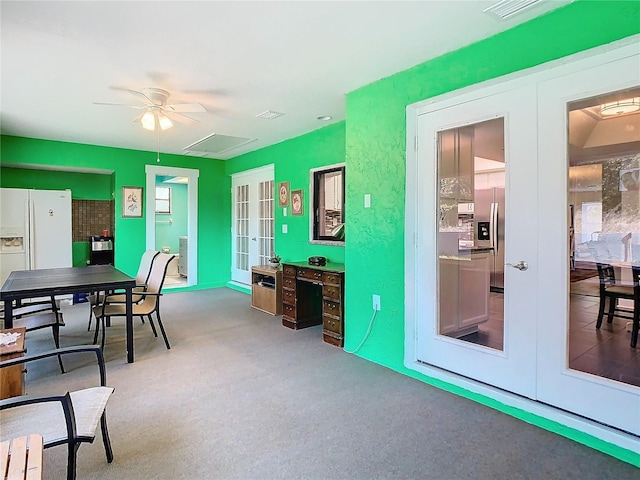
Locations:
column 157, row 112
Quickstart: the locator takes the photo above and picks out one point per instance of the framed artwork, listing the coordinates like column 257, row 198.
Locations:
column 132, row 202
column 297, row 202
column 283, row 194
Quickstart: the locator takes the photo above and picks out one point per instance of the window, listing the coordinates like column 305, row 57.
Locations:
column 328, row 204
column 163, row 199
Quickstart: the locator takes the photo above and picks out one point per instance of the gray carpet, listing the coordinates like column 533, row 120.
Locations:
column 241, row 397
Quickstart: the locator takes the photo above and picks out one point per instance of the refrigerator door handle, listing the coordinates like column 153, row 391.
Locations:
column 493, row 235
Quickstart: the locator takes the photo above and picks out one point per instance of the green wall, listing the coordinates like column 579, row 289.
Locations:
column 128, row 167
column 372, row 142
column 292, row 160
column 375, row 157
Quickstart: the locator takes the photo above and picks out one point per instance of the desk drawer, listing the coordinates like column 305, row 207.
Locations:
column 289, row 271
column 310, row 274
column 332, row 324
column 331, row 292
column 289, row 311
column 289, row 282
column 331, row 308
column 332, row 278
column 289, row 296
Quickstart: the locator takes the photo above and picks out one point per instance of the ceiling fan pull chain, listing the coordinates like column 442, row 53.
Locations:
column 158, row 130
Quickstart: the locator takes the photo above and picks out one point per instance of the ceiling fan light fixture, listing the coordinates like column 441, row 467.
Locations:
column 627, row 105
column 164, row 122
column 148, row 121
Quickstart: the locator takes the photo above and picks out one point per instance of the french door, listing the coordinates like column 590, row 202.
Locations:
column 471, row 155
column 253, row 221
column 563, row 145
column 602, row 382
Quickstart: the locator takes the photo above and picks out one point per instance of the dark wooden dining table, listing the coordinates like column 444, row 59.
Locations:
column 23, row 284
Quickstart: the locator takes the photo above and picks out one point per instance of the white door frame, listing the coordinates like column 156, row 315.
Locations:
column 192, row 215
column 459, row 384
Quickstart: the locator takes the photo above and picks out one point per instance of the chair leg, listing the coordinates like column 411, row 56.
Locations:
column 72, row 454
column 600, row 312
column 164, row 334
column 104, row 332
column 636, row 326
column 95, row 334
column 613, row 303
column 56, row 340
column 153, row 327
column 105, row 437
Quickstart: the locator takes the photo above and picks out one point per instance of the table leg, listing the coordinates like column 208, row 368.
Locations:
column 8, row 314
column 129, row 298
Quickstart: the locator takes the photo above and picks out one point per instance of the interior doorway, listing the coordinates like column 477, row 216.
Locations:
column 253, row 221
column 172, row 220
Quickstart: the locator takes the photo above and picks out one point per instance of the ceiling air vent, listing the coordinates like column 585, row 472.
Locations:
column 269, row 115
column 216, row 144
column 506, row 8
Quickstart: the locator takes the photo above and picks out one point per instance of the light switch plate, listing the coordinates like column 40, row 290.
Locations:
column 367, row 200
column 285, row 228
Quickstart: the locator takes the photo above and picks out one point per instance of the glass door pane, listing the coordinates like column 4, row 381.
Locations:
column 604, row 233
column 471, row 233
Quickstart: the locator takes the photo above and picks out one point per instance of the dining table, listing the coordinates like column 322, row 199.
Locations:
column 46, row 282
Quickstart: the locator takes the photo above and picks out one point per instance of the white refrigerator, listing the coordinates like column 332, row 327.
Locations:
column 35, row 229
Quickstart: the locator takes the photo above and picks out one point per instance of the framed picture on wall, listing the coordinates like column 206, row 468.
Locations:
column 297, row 202
column 132, row 202
column 283, row 194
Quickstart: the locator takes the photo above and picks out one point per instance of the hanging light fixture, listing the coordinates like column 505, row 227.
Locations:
column 164, row 121
column 618, row 108
column 152, row 117
column 148, row 121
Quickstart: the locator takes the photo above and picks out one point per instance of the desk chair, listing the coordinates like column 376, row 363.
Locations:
column 149, row 303
column 613, row 291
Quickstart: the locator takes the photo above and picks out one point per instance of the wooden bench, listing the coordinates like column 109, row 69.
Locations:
column 21, row 458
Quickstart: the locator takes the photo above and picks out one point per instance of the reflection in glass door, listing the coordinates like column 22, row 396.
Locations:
column 471, row 233
column 604, row 233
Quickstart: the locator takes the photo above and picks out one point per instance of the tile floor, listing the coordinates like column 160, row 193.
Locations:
column 605, row 352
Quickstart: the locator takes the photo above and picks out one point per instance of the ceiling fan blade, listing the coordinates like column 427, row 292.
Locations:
column 137, row 107
column 142, row 97
column 186, row 108
column 178, row 117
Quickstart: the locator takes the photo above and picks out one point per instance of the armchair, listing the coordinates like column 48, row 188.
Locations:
column 70, row 418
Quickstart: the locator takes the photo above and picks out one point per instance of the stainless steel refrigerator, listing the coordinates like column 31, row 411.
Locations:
column 489, row 219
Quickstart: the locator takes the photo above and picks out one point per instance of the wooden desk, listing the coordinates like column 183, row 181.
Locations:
column 314, row 295
column 21, row 284
column 12, row 378
column 21, row 458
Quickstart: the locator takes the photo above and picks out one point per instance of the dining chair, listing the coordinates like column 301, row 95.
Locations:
column 148, row 305
column 612, row 291
column 69, row 418
column 635, row 271
column 40, row 314
column 142, row 277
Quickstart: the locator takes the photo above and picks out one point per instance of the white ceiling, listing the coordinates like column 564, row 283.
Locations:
column 237, row 58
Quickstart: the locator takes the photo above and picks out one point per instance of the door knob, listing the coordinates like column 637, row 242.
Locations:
column 521, row 265
column 254, row 239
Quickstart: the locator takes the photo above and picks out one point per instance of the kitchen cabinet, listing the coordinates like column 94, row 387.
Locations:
column 464, row 293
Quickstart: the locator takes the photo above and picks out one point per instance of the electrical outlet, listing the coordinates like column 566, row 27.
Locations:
column 376, row 302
